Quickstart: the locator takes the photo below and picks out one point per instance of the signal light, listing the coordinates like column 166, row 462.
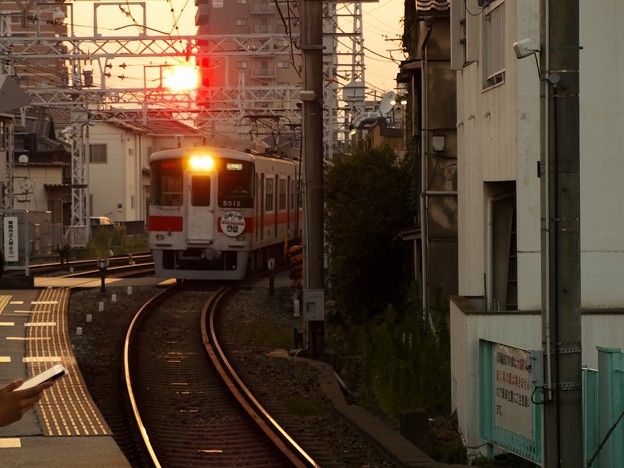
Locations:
column 295, row 259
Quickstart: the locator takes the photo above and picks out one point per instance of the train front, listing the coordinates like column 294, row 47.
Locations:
column 200, row 220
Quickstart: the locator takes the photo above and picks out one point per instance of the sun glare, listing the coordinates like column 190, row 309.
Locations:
column 181, row 78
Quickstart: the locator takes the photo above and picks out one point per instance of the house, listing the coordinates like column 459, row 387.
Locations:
column 119, row 151
column 501, row 131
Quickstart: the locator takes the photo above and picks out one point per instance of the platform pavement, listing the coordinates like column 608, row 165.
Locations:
column 40, row 438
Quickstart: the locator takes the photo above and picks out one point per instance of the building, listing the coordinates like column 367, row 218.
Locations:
column 25, row 20
column 119, row 152
column 253, row 63
column 430, row 126
column 500, row 133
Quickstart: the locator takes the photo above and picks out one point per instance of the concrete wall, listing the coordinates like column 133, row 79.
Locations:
column 469, row 324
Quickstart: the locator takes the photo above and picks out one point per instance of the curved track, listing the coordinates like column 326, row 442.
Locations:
column 186, row 412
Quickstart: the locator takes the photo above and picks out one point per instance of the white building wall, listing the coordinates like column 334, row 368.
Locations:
column 499, row 131
column 107, row 181
column 520, row 330
column 512, row 132
column 37, row 200
column 602, row 161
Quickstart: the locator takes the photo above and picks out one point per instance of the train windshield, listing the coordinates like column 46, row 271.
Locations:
column 166, row 183
column 236, row 184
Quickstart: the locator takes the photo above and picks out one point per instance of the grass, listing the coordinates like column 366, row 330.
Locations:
column 265, row 335
column 305, row 407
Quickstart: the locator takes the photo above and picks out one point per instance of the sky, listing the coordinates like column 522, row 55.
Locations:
column 382, row 26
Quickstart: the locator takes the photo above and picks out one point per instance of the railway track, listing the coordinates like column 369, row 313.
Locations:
column 137, row 264
column 181, row 388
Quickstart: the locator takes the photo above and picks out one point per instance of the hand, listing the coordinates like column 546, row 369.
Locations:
column 14, row 404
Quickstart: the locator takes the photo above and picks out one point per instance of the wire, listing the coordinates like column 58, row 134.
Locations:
column 485, row 4
column 604, row 440
column 288, row 29
column 390, row 59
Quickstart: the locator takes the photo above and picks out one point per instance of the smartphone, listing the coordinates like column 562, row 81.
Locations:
column 53, row 373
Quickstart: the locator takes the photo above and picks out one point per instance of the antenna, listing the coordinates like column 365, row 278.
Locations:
column 387, row 102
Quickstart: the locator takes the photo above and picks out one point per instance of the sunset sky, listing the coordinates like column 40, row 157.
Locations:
column 382, row 27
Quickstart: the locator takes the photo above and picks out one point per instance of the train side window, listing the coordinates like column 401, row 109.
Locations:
column 269, row 195
column 200, row 190
column 282, row 194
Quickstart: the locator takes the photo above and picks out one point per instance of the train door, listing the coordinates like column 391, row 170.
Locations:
column 200, row 213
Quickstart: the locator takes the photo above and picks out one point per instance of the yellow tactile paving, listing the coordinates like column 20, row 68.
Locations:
column 4, row 301
column 66, row 409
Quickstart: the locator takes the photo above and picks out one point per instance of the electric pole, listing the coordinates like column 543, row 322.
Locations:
column 312, row 98
column 563, row 415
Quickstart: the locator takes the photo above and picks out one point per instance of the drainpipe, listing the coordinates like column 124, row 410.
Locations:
column 489, row 251
column 424, row 138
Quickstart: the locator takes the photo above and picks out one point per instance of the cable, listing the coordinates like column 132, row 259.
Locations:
column 485, row 4
column 604, row 440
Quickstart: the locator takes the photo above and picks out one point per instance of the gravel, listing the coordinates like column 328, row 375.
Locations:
column 258, row 330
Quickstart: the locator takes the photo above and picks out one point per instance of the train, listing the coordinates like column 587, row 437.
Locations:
column 219, row 213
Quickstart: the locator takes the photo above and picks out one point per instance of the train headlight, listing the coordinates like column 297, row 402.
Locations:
column 201, row 163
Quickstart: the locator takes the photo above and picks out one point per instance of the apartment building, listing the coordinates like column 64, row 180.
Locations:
column 252, row 66
column 44, row 20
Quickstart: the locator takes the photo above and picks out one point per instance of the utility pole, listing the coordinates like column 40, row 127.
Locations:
column 312, row 98
column 563, row 415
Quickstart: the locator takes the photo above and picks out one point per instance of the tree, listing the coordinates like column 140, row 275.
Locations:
column 367, row 195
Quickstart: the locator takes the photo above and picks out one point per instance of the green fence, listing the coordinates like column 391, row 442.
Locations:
column 603, row 411
column 502, row 389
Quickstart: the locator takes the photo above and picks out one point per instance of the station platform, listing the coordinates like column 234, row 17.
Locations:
column 65, row 429
column 62, row 282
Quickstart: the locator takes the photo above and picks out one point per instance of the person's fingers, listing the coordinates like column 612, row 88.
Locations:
column 12, row 385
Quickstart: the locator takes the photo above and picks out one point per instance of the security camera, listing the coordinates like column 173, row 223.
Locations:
column 523, row 48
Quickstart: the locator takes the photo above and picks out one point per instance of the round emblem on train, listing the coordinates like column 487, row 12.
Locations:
column 232, row 223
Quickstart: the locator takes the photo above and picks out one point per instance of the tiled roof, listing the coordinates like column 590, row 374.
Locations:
column 432, row 5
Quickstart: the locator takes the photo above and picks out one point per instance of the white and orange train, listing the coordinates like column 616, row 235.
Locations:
column 217, row 213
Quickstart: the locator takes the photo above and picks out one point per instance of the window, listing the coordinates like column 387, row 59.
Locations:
column 282, row 194
column 268, row 206
column 236, row 184
column 166, row 183
column 241, row 65
column 200, row 191
column 3, row 135
column 493, row 52
column 98, row 153
column 283, row 64
column 241, row 22
column 241, row 2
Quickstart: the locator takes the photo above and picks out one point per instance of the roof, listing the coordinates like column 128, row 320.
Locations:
column 432, row 5
column 160, row 126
